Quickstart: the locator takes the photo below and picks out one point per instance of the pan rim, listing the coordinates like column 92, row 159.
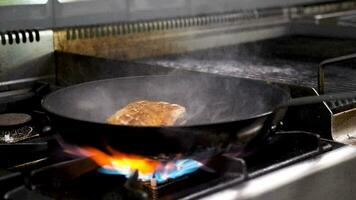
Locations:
column 48, row 109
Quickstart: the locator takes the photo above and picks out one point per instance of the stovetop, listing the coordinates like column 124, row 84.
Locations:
column 65, row 177
column 39, row 168
column 289, row 60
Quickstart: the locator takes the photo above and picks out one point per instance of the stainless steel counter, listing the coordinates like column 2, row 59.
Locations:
column 328, row 176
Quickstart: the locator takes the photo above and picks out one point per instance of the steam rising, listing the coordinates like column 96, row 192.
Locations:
column 207, row 99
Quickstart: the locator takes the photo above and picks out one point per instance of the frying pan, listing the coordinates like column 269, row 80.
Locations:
column 220, row 110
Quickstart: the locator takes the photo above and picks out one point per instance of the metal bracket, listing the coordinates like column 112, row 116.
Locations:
column 323, row 64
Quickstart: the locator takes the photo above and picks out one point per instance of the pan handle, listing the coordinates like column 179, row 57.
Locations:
column 322, row 65
column 317, row 99
column 281, row 109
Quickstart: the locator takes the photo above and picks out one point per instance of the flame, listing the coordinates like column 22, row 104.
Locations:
column 126, row 164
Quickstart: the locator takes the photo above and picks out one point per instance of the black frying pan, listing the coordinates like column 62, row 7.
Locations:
column 220, row 110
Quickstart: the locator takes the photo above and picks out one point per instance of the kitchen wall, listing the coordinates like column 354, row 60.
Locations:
column 43, row 14
column 26, row 55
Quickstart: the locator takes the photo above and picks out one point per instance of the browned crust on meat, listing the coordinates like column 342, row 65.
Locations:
column 147, row 113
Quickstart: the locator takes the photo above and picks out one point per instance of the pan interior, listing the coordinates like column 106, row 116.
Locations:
column 207, row 98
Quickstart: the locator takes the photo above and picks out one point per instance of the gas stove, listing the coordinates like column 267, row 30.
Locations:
column 37, row 166
column 54, row 44
column 79, row 178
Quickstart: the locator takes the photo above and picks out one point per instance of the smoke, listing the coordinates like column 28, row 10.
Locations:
column 207, row 98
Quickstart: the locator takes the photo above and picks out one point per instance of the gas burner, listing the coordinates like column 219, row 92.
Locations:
column 15, row 127
column 14, row 119
column 17, row 134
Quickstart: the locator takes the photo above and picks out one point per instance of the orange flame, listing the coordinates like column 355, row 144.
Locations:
column 118, row 163
column 122, row 161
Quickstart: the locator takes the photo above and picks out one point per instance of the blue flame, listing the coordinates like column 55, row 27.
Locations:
column 171, row 170
column 181, row 167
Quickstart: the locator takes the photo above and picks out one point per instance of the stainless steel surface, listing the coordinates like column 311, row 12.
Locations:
column 332, row 18
column 250, row 17
column 326, row 20
column 348, row 21
column 309, row 12
column 76, row 13
column 160, row 37
column 35, row 14
column 328, row 176
column 44, row 14
column 71, row 1
column 25, row 57
column 83, row 12
column 344, row 126
column 22, row 2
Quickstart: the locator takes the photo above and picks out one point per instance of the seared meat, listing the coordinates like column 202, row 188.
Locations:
column 148, row 113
